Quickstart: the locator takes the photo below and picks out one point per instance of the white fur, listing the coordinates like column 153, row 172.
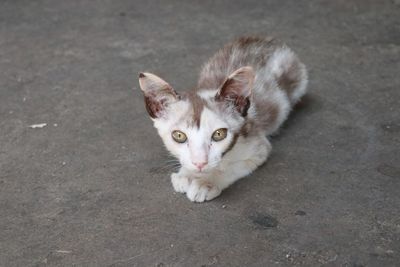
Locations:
column 244, row 158
column 220, row 172
column 249, row 152
column 207, row 94
column 199, row 146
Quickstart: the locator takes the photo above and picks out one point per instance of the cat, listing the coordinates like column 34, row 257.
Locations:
column 219, row 130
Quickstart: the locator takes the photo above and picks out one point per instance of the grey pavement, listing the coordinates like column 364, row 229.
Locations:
column 92, row 187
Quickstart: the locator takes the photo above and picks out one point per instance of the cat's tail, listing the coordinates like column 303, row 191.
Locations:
column 289, row 72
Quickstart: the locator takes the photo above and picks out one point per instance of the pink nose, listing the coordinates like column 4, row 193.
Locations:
column 200, row 165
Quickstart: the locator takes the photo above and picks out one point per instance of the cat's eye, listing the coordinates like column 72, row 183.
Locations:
column 219, row 134
column 179, row 136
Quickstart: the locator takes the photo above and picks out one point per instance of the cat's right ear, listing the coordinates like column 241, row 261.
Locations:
column 158, row 94
column 236, row 89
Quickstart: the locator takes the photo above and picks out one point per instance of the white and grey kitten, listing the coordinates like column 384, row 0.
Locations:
column 219, row 130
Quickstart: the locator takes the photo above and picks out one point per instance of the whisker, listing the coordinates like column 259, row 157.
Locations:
column 170, row 165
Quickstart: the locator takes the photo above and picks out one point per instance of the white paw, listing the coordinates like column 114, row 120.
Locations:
column 200, row 191
column 180, row 183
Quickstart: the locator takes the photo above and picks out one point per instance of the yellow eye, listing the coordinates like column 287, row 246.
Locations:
column 179, row 136
column 219, row 134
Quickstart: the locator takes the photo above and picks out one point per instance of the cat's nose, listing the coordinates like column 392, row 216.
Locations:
column 200, row 165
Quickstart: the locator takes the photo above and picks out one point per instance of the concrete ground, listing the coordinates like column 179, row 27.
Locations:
column 92, row 188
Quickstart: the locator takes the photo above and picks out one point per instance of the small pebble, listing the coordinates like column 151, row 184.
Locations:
column 38, row 125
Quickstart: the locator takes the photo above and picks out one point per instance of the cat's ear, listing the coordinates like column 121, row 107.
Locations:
column 158, row 94
column 237, row 88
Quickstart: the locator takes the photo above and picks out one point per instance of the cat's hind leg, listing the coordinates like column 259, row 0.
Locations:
column 289, row 72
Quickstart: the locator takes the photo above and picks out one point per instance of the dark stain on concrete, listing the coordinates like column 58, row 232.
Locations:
column 300, row 213
column 264, row 220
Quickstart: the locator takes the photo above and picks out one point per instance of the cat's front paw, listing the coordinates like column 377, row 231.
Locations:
column 180, row 183
column 200, row 191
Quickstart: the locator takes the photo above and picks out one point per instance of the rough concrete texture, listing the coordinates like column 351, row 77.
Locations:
column 92, row 188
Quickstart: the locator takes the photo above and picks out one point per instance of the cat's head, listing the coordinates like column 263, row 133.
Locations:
column 199, row 127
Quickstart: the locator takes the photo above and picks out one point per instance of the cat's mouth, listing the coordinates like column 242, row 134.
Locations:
column 202, row 171
column 200, row 175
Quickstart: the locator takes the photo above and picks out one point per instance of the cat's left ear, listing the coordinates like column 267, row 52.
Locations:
column 237, row 88
column 158, row 94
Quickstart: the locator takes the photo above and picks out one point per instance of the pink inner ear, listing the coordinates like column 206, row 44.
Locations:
column 157, row 102
column 237, row 89
column 239, row 83
column 153, row 107
column 157, row 93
